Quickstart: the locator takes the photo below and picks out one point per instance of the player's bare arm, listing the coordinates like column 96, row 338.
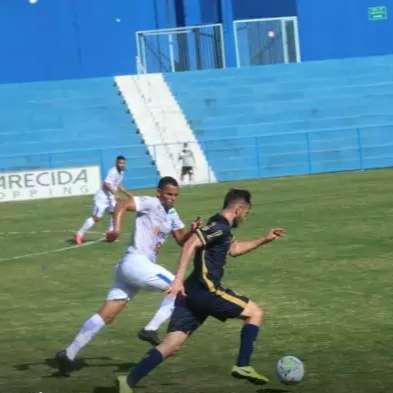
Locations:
column 187, row 252
column 243, row 247
column 121, row 207
column 109, row 188
column 182, row 235
column 125, row 192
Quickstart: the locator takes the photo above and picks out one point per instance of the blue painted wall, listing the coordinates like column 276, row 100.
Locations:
column 249, row 9
column 58, row 39
column 338, row 29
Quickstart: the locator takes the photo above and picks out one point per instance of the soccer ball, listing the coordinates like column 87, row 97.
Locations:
column 290, row 370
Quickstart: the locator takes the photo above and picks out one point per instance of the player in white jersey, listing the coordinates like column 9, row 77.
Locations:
column 188, row 161
column 105, row 199
column 156, row 219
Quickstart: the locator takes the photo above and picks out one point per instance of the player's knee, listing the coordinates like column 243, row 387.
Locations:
column 259, row 313
column 109, row 311
column 175, row 349
column 171, row 344
column 96, row 219
column 256, row 314
column 108, row 318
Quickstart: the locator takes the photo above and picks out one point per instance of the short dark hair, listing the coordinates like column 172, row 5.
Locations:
column 234, row 195
column 167, row 180
column 121, row 158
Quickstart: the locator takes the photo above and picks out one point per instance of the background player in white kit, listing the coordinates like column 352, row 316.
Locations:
column 105, row 198
column 187, row 163
column 155, row 220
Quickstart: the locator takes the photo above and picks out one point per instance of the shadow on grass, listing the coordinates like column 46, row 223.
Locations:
column 105, row 390
column 113, row 389
column 79, row 364
column 71, row 242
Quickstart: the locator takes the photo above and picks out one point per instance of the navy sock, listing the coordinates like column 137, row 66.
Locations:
column 248, row 335
column 152, row 359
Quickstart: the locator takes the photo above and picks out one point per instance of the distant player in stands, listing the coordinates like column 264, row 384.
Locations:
column 187, row 163
column 203, row 294
column 156, row 218
column 105, row 199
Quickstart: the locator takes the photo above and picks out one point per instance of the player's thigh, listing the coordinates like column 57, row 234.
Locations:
column 158, row 278
column 185, row 318
column 111, row 205
column 252, row 311
column 99, row 208
column 121, row 289
column 138, row 271
column 225, row 303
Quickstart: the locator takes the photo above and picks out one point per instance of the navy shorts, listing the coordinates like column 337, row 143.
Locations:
column 191, row 311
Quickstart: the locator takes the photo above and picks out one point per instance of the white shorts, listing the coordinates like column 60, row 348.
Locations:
column 136, row 271
column 102, row 205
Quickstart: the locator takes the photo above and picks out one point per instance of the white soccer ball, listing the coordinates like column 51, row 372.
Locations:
column 271, row 34
column 290, row 370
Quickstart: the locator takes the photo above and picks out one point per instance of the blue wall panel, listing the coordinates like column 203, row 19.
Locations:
column 210, row 11
column 339, row 29
column 249, row 9
column 60, row 39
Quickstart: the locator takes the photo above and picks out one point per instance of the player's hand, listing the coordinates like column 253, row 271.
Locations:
column 197, row 223
column 175, row 288
column 275, row 233
column 111, row 236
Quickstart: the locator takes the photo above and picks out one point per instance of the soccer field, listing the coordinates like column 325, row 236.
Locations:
column 326, row 290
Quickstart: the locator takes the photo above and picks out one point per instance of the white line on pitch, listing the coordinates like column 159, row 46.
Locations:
column 52, row 251
column 39, row 232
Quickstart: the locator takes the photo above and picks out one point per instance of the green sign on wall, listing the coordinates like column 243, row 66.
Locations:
column 377, row 13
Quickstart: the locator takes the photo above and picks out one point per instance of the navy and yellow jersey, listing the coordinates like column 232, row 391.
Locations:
column 210, row 259
column 205, row 295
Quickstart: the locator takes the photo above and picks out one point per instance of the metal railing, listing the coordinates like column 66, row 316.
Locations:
column 180, row 49
column 236, row 158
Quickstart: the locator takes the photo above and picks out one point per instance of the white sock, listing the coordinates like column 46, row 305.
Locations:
column 110, row 228
column 89, row 329
column 89, row 223
column 163, row 314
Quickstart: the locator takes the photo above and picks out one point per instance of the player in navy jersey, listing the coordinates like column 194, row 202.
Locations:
column 203, row 295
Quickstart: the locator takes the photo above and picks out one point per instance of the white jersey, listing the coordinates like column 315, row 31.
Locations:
column 153, row 224
column 114, row 178
column 187, row 158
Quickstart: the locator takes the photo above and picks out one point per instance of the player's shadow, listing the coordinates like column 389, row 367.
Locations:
column 114, row 389
column 103, row 361
column 105, row 390
column 71, row 242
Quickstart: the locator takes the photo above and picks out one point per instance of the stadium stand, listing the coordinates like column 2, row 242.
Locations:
column 70, row 123
column 292, row 119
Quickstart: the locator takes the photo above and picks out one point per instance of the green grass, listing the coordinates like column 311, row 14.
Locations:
column 326, row 291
